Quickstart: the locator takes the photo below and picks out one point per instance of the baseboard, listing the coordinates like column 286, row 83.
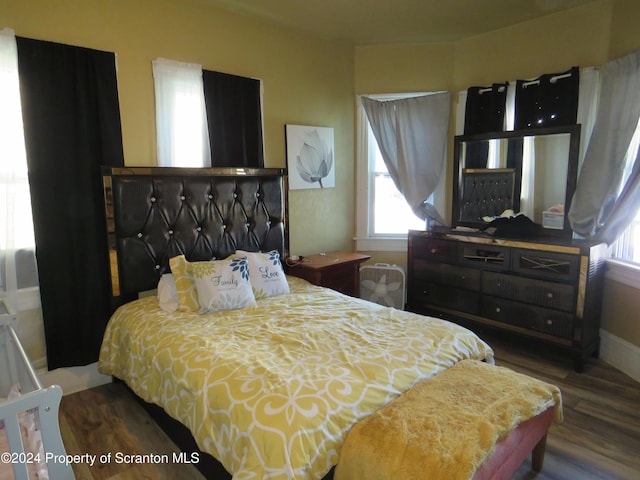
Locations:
column 621, row 354
column 74, row 379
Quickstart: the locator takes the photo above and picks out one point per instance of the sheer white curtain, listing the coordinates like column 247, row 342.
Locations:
column 181, row 117
column 16, row 225
column 597, row 208
column 412, row 137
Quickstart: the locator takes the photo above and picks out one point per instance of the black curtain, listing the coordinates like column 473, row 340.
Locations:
column 235, row 120
column 548, row 101
column 72, row 127
column 485, row 107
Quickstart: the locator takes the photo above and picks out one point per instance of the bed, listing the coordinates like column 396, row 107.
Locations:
column 269, row 388
column 30, row 443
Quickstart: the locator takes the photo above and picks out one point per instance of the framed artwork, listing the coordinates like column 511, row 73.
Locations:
column 310, row 157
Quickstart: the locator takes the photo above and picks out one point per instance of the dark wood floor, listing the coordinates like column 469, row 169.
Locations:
column 599, row 438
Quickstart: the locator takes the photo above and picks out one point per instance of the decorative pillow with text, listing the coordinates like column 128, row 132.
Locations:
column 222, row 284
column 265, row 273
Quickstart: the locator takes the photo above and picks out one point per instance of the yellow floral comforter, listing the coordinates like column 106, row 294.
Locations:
column 272, row 391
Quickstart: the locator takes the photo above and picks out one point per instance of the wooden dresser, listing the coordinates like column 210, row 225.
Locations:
column 547, row 289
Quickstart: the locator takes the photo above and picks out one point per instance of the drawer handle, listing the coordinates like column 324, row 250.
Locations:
column 462, row 277
column 549, row 321
column 549, row 294
column 498, row 310
column 433, row 250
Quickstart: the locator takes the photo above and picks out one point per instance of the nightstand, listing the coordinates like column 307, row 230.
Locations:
column 336, row 270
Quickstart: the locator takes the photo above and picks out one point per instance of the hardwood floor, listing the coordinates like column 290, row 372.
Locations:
column 599, row 438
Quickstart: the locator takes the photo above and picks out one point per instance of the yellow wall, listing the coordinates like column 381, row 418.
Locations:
column 306, row 81
column 312, row 81
column 585, row 36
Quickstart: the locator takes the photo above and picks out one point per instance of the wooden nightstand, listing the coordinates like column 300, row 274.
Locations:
column 337, row 270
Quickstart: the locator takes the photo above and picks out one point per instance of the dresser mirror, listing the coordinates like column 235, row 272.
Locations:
column 530, row 171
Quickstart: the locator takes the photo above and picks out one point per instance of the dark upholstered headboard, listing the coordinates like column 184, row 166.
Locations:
column 487, row 193
column 157, row 213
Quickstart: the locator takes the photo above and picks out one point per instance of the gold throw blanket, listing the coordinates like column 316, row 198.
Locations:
column 444, row 427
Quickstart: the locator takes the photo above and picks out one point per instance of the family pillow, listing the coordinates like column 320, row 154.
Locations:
column 222, row 284
column 217, row 285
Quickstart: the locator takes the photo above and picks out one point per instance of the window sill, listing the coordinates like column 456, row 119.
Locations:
column 379, row 244
column 623, row 272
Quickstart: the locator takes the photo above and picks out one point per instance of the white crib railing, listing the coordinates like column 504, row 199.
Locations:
column 34, row 447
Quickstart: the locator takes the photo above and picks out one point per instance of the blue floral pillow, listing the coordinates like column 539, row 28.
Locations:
column 223, row 284
column 265, row 273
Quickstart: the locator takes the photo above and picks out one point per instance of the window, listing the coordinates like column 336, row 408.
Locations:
column 627, row 247
column 384, row 217
column 181, row 122
column 206, row 118
column 17, row 244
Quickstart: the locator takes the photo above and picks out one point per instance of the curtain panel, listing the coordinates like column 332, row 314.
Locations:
column 181, row 122
column 17, row 261
column 412, row 137
column 485, row 109
column 547, row 101
column 602, row 206
column 71, row 117
column 234, row 117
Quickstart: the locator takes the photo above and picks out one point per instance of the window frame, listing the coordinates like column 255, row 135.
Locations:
column 365, row 240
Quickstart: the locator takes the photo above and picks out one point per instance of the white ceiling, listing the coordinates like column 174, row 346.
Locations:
column 370, row 22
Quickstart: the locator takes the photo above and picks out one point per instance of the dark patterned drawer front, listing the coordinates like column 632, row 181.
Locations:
column 446, row 274
column 538, row 292
column 547, row 265
column 552, row 322
column 440, row 250
column 434, row 294
column 486, row 257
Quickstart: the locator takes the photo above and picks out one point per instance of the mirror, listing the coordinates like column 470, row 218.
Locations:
column 528, row 171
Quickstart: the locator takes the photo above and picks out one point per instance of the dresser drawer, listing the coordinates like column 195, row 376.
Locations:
column 454, row 298
column 440, row 250
column 451, row 275
column 537, row 292
column 552, row 322
column 485, row 257
column 546, row 265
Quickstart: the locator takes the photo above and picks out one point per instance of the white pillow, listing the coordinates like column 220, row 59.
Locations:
column 222, row 284
column 265, row 273
column 167, row 293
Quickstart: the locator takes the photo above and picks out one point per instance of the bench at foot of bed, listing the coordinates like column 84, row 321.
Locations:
column 472, row 421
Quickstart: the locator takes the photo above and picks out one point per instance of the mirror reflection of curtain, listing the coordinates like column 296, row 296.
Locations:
column 547, row 101
column 597, row 209
column 71, row 117
column 412, row 137
column 528, row 177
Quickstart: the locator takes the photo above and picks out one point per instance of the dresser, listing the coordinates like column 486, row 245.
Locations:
column 549, row 290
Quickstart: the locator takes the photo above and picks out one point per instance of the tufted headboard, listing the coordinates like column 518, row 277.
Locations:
column 156, row 213
column 487, row 193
